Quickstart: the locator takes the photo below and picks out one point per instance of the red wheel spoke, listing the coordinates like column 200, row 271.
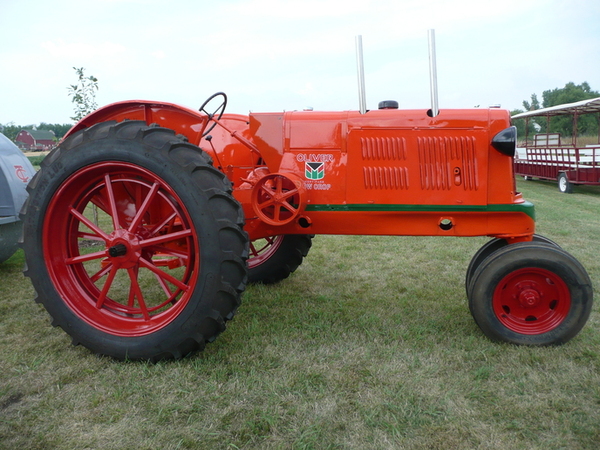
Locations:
column 106, row 287
column 170, row 252
column 268, row 191
column 277, row 213
column 289, row 207
column 266, row 204
column 287, row 194
column 136, row 291
column 164, row 275
column 144, row 207
column 89, row 224
column 91, row 237
column 164, row 286
column 95, row 277
column 111, row 202
column 163, row 224
column 166, row 238
column 133, row 271
column 88, row 257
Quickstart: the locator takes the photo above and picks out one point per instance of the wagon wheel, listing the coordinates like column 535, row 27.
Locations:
column 564, row 185
column 148, row 280
column 219, row 110
column 274, row 258
column 531, row 293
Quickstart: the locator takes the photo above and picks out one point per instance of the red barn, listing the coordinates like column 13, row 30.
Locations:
column 35, row 140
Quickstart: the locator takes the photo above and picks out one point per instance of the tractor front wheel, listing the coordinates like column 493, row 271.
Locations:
column 487, row 249
column 134, row 243
column 532, row 294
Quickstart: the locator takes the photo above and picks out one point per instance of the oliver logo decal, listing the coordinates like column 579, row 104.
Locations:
column 314, row 170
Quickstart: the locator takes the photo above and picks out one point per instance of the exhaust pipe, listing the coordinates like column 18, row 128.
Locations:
column 432, row 74
column 362, row 99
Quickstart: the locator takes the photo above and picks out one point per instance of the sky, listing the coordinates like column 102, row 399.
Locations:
column 283, row 55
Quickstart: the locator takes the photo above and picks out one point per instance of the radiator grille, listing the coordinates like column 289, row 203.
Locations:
column 438, row 156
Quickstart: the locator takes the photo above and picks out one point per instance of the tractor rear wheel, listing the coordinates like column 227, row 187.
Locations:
column 532, row 294
column 274, row 258
column 134, row 242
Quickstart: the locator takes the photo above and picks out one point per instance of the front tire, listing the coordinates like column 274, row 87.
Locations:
column 488, row 249
column 134, row 243
column 531, row 294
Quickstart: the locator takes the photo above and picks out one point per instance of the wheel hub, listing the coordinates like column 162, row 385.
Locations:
column 124, row 248
column 528, row 294
column 117, row 250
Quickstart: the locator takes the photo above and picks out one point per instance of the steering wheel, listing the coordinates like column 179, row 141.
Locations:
column 217, row 112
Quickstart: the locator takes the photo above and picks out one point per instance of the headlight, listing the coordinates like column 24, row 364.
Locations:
column 506, row 141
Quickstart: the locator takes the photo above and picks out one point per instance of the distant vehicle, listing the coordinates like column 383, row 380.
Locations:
column 15, row 173
column 551, row 156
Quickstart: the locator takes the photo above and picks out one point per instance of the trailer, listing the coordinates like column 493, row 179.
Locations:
column 551, row 156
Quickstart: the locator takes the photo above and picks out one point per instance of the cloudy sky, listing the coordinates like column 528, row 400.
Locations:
column 274, row 55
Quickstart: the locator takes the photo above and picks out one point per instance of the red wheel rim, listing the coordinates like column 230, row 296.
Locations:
column 531, row 301
column 120, row 248
column 262, row 249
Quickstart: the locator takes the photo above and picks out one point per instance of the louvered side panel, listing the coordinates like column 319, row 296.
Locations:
column 383, row 148
column 385, row 178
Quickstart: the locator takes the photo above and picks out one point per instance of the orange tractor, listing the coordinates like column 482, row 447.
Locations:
column 143, row 227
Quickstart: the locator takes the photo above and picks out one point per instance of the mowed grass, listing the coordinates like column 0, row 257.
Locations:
column 369, row 345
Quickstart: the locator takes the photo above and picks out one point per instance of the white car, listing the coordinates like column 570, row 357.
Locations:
column 15, row 173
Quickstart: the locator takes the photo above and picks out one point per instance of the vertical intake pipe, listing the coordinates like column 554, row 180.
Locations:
column 362, row 100
column 433, row 74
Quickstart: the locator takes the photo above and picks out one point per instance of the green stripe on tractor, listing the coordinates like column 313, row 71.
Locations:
column 526, row 207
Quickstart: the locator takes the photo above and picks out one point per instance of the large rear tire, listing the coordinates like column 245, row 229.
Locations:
column 134, row 242
column 274, row 258
column 531, row 294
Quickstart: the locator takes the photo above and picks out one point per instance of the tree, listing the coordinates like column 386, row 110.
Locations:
column 10, row 130
column 535, row 103
column 535, row 123
column 587, row 124
column 59, row 129
column 520, row 124
column 83, row 94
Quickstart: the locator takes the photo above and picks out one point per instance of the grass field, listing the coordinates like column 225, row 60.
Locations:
column 369, row 345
